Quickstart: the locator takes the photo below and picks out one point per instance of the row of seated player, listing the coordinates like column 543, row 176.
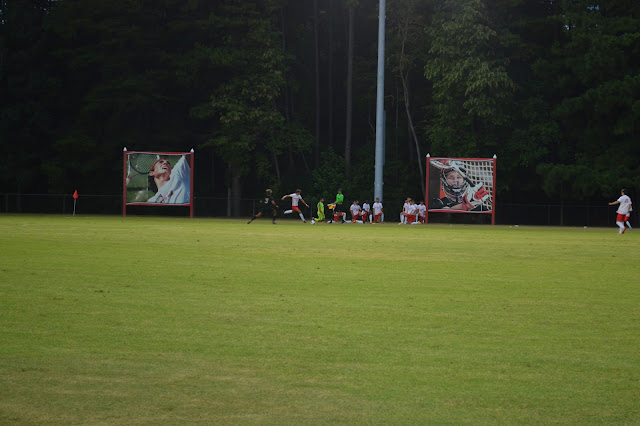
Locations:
column 412, row 213
column 359, row 213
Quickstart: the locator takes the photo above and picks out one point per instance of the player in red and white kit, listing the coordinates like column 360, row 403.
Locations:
column 412, row 213
column 377, row 211
column 355, row 210
column 422, row 209
column 623, row 210
column 366, row 211
column 295, row 198
column 405, row 211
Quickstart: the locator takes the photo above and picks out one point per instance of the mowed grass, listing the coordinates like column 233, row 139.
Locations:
column 175, row 320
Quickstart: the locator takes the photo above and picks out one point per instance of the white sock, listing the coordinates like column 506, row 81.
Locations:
column 302, row 217
column 288, row 211
column 628, row 225
column 621, row 226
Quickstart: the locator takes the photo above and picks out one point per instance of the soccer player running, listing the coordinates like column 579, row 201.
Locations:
column 623, row 210
column 295, row 198
column 268, row 207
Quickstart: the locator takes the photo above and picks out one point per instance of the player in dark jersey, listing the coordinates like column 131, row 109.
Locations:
column 269, row 207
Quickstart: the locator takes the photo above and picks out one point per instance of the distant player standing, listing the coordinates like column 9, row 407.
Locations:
column 337, row 210
column 269, row 207
column 295, row 198
column 623, row 210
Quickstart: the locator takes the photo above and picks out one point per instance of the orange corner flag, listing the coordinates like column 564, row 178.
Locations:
column 75, row 194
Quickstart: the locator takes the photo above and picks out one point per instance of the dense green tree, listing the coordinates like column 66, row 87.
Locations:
column 29, row 90
column 251, row 68
column 262, row 88
column 593, row 69
column 472, row 90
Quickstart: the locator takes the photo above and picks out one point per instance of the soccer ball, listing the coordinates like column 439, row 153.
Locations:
column 313, row 222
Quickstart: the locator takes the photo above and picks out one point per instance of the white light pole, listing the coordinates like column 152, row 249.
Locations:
column 379, row 161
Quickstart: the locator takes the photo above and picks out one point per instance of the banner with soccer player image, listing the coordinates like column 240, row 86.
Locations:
column 460, row 185
column 158, row 178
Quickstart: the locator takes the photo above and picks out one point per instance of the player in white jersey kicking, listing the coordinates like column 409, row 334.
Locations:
column 623, row 210
column 295, row 198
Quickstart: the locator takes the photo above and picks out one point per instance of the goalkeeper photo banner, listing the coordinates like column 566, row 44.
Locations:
column 460, row 185
column 157, row 178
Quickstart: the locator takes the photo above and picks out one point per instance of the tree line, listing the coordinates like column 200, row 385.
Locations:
column 281, row 93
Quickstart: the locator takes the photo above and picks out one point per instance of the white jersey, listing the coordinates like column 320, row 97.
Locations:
column 366, row 207
column 377, row 208
column 295, row 198
column 355, row 209
column 178, row 189
column 413, row 209
column 405, row 208
column 422, row 209
column 625, row 205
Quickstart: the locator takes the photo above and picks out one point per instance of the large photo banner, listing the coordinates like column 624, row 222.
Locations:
column 158, row 178
column 460, row 185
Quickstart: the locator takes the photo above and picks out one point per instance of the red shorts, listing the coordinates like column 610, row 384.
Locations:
column 411, row 218
column 295, row 209
column 377, row 217
column 621, row 217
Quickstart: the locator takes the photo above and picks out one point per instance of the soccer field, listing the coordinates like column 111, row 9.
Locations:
column 175, row 320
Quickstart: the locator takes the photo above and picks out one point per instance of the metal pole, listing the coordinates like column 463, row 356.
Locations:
column 379, row 161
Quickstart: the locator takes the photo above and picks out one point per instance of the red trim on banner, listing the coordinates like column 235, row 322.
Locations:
column 158, row 204
column 426, row 195
column 159, row 152
column 124, row 183
column 493, row 195
column 441, row 193
column 460, row 158
column 192, row 185
column 457, row 211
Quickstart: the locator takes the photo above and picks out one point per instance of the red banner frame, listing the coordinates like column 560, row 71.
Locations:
column 126, row 153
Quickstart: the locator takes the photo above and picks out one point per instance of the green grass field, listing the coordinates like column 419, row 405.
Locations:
column 174, row 320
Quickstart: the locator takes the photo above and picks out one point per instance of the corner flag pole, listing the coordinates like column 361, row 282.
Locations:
column 75, row 198
column 379, row 160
